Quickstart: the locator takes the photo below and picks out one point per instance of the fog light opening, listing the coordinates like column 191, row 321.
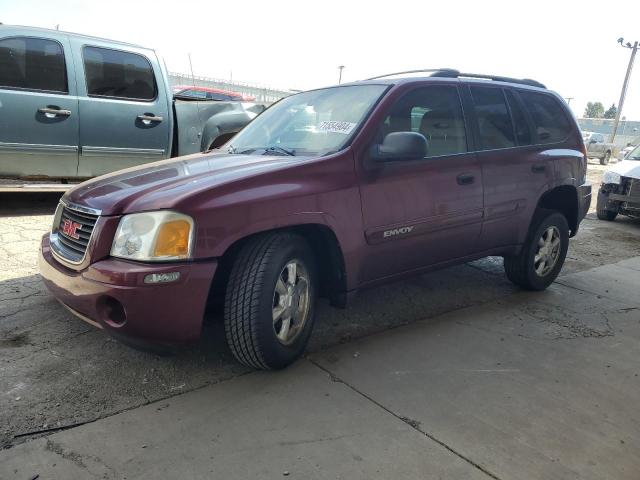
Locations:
column 112, row 311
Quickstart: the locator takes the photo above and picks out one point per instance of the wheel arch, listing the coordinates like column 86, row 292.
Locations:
column 326, row 249
column 563, row 198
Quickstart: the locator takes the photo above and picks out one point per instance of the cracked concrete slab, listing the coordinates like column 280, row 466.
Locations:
column 258, row 426
column 523, row 389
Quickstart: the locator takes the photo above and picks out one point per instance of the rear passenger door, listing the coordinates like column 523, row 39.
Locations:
column 38, row 107
column 124, row 107
column 515, row 171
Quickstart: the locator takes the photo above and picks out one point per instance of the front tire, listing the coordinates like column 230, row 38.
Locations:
column 270, row 301
column 543, row 253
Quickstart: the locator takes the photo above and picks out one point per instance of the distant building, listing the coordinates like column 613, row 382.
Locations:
column 628, row 130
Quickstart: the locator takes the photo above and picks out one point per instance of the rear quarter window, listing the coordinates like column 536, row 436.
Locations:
column 549, row 117
column 118, row 74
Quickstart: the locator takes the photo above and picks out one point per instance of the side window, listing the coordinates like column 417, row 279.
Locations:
column 436, row 113
column 551, row 122
column 32, row 64
column 520, row 124
column 118, row 74
column 494, row 123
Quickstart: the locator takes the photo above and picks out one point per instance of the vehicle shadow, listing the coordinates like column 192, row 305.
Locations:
column 28, row 204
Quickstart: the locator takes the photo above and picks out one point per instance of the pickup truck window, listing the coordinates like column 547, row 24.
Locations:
column 315, row 122
column 436, row 113
column 494, row 124
column 551, row 123
column 32, row 64
column 118, row 74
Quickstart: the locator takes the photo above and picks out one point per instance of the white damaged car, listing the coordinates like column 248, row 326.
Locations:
column 620, row 189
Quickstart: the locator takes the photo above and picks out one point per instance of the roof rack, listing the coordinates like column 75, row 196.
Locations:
column 452, row 73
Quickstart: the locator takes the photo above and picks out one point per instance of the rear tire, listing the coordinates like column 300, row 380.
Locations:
column 607, row 215
column 605, row 160
column 543, row 253
column 274, row 276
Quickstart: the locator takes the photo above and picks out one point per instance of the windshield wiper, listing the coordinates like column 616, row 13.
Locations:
column 275, row 148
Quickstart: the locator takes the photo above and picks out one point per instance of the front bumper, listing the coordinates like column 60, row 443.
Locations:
column 111, row 294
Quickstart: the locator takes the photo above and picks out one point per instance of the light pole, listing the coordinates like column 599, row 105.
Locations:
column 634, row 50
column 340, row 74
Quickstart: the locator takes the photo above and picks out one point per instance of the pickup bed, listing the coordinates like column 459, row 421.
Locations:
column 74, row 107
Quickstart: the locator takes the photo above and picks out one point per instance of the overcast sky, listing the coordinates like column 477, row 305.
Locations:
column 569, row 46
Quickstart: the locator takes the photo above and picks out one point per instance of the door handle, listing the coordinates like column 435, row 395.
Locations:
column 465, row 179
column 50, row 112
column 538, row 168
column 148, row 119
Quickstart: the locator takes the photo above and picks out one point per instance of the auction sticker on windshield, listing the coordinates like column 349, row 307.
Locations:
column 337, row 127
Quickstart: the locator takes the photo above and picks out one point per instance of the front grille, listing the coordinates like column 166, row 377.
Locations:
column 72, row 231
column 634, row 187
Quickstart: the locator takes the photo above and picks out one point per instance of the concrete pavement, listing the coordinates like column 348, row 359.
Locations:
column 533, row 385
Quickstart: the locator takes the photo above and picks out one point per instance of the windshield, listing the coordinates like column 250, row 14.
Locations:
column 316, row 122
column 634, row 154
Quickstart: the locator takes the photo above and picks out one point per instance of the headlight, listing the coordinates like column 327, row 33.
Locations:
column 154, row 236
column 611, row 177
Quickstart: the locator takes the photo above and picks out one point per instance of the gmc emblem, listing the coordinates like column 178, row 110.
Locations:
column 70, row 229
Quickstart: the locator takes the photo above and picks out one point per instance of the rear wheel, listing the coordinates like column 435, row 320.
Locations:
column 543, row 254
column 270, row 299
column 605, row 160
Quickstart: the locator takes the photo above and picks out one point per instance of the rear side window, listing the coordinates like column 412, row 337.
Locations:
column 520, row 124
column 436, row 113
column 550, row 120
column 494, row 123
column 118, row 74
column 32, row 64
column 217, row 96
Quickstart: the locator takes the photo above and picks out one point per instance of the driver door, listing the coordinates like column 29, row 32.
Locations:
column 422, row 212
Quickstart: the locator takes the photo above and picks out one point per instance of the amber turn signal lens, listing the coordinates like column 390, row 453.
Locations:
column 173, row 239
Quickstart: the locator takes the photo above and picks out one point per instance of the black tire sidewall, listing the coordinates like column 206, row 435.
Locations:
column 553, row 219
column 274, row 354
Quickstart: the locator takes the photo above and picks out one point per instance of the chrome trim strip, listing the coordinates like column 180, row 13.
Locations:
column 81, row 316
column 38, row 148
column 89, row 151
column 81, row 208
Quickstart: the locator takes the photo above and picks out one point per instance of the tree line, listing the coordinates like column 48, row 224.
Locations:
column 596, row 110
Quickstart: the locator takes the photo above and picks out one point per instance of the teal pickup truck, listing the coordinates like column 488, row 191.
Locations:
column 74, row 107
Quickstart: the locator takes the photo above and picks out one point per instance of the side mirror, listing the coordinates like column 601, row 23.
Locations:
column 592, row 141
column 400, row 146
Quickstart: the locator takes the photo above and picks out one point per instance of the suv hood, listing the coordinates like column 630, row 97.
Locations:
column 627, row 168
column 163, row 184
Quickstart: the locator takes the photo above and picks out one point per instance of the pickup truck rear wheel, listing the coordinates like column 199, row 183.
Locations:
column 605, row 160
column 270, row 300
column 543, row 254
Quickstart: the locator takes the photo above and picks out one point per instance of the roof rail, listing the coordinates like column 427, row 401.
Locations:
column 496, row 78
column 452, row 73
column 423, row 70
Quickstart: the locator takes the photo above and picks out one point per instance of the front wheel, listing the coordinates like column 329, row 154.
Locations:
column 605, row 160
column 543, row 254
column 270, row 300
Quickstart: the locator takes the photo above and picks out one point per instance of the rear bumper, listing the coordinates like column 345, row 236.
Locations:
column 112, row 294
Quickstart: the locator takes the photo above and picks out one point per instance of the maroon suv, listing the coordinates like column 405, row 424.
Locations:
column 326, row 192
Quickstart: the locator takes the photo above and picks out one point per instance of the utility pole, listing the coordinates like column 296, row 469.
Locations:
column 340, row 74
column 634, row 50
